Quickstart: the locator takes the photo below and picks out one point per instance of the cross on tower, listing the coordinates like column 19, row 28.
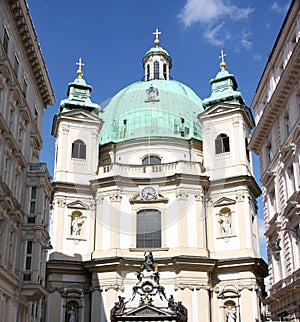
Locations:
column 80, row 64
column 222, row 64
column 222, row 55
column 156, row 33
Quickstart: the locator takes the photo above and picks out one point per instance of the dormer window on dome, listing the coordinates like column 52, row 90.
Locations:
column 157, row 62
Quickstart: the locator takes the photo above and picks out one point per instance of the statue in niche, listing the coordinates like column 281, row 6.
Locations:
column 230, row 314
column 72, row 315
column 225, row 222
column 76, row 226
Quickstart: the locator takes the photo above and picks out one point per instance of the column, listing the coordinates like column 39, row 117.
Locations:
column 115, row 201
column 97, row 305
column 181, row 197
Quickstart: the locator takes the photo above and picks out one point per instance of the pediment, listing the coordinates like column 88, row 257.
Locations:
column 75, row 116
column 77, row 205
column 223, row 108
column 148, row 311
column 80, row 114
column 224, row 201
column 220, row 108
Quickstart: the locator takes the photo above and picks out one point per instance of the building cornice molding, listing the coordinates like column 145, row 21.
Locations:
column 176, row 179
column 285, row 85
column 28, row 37
column 236, row 181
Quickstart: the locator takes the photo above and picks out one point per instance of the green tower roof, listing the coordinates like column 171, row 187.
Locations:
column 79, row 95
column 223, row 88
column 155, row 108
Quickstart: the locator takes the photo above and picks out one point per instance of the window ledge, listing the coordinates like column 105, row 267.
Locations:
column 158, row 249
column 226, row 236
column 223, row 155
column 76, row 238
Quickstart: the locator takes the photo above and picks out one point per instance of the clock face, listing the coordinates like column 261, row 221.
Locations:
column 148, row 193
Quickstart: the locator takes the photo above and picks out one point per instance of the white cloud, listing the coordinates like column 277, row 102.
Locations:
column 207, row 12
column 213, row 37
column 257, row 57
column 216, row 18
column 245, row 41
column 279, row 8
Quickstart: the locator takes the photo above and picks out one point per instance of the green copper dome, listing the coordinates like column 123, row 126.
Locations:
column 155, row 108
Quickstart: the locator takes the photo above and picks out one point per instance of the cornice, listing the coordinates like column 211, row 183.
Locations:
column 237, row 181
column 176, row 179
column 28, row 37
column 281, row 94
column 243, row 264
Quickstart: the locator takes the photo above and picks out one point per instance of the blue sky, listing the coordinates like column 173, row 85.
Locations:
column 112, row 37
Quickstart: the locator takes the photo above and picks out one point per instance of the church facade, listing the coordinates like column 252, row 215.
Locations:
column 158, row 172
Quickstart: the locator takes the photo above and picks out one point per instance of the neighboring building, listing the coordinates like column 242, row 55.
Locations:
column 25, row 91
column 277, row 140
column 157, row 170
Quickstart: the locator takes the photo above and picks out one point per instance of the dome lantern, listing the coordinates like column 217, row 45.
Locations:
column 157, row 62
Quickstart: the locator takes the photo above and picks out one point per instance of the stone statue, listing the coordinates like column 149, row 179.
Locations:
column 73, row 315
column 76, row 226
column 148, row 264
column 171, row 303
column 225, row 224
column 230, row 314
column 119, row 306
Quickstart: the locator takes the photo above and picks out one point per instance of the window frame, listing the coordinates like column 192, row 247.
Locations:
column 78, row 150
column 156, row 69
column 149, row 158
column 222, row 144
column 148, row 239
column 6, row 39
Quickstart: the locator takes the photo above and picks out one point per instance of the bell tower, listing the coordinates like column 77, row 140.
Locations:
column 76, row 129
column 226, row 124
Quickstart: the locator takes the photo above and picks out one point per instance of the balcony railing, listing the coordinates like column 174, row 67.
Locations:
column 154, row 170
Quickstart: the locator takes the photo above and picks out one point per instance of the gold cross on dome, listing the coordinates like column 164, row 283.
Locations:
column 156, row 33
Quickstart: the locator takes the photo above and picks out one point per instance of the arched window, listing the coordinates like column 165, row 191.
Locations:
column 156, row 70
column 222, row 143
column 148, row 228
column 151, row 159
column 247, row 150
column 148, row 72
column 165, row 71
column 78, row 150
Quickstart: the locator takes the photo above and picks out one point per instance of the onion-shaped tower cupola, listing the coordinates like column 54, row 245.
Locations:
column 157, row 62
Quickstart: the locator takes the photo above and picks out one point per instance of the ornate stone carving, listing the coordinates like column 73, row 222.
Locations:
column 115, row 287
column 181, row 195
column 192, row 286
column 198, row 197
column 115, row 198
column 61, row 202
